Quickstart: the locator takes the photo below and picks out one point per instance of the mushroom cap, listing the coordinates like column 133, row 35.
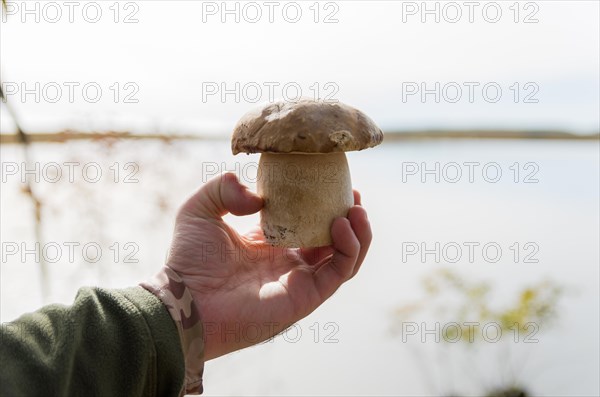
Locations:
column 305, row 126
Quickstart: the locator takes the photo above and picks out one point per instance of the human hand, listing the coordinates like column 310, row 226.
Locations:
column 239, row 280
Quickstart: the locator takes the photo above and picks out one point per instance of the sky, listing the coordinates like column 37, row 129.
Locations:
column 196, row 67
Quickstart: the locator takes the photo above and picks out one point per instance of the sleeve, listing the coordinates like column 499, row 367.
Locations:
column 108, row 343
column 168, row 286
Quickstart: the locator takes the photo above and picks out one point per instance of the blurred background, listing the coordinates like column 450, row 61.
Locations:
column 483, row 277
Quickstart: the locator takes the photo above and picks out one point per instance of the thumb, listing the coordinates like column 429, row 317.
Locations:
column 219, row 196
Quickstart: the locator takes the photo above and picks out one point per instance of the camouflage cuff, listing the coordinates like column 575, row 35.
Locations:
column 170, row 289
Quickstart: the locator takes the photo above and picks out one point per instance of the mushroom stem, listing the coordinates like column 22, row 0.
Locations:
column 303, row 194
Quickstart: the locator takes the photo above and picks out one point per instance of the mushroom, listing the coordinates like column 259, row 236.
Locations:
column 303, row 175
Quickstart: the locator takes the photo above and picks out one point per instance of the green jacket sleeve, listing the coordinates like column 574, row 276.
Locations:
column 108, row 343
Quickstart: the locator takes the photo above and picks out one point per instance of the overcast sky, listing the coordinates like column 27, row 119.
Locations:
column 176, row 58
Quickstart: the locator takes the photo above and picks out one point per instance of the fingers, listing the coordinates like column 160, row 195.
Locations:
column 221, row 195
column 314, row 255
column 341, row 266
column 362, row 228
column 357, row 198
column 352, row 238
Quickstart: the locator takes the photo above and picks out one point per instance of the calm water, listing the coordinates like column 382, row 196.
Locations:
column 556, row 213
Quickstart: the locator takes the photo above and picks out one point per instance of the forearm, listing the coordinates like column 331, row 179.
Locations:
column 109, row 342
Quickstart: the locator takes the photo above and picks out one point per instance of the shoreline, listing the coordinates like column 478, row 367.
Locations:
column 64, row 136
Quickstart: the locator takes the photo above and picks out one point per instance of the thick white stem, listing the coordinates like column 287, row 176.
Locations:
column 303, row 194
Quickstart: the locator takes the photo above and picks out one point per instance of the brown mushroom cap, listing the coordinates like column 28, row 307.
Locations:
column 306, row 126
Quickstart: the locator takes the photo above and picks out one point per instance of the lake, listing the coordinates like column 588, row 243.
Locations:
column 510, row 212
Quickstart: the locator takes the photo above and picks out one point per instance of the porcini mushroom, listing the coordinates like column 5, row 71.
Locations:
column 303, row 175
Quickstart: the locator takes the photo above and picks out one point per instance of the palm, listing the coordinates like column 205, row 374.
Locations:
column 241, row 283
